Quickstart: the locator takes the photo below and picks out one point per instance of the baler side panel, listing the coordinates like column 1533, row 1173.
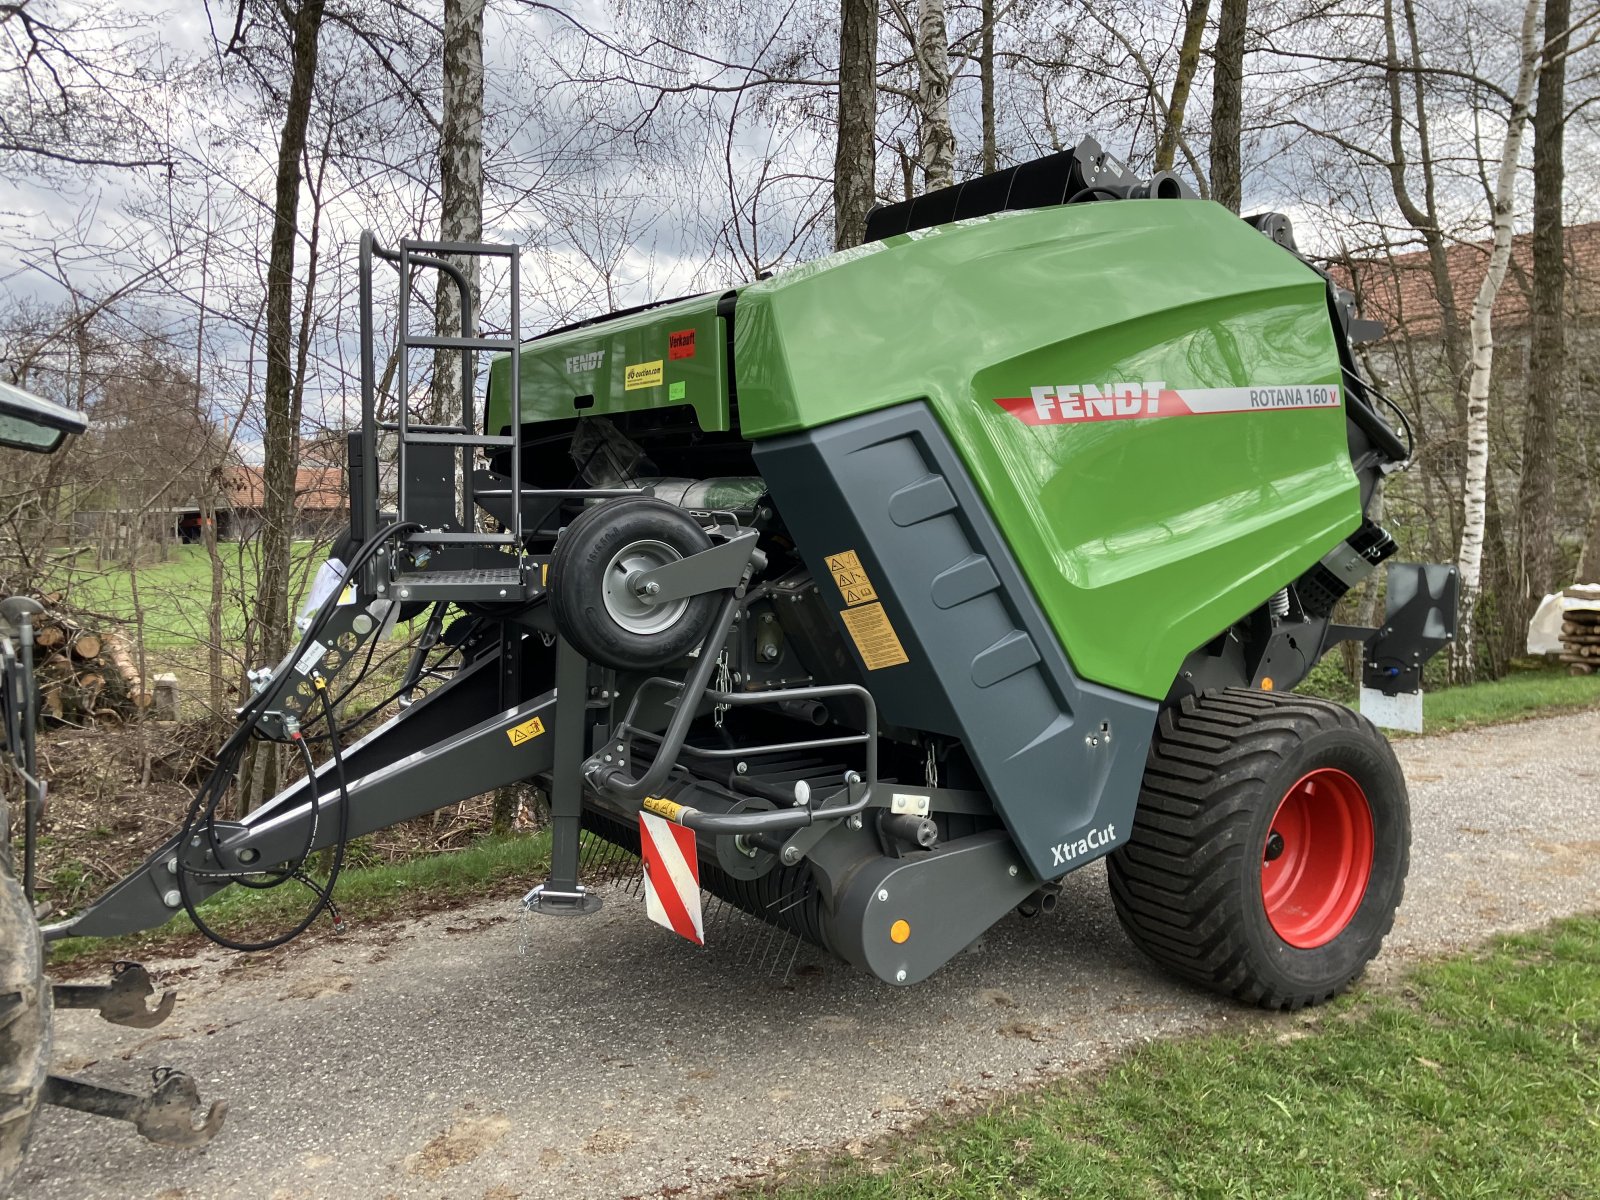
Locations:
column 1061, row 758
column 667, row 355
column 1142, row 538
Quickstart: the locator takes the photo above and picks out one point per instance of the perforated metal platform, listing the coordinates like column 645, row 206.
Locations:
column 483, row 584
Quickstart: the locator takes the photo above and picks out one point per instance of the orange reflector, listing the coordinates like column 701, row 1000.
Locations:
column 899, row 932
column 1266, row 684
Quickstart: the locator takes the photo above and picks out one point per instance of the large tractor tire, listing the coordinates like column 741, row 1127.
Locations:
column 1270, row 847
column 24, row 1016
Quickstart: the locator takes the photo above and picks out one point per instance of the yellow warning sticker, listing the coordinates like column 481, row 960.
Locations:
column 662, row 807
column 526, row 732
column 874, row 637
column 851, row 578
column 642, row 375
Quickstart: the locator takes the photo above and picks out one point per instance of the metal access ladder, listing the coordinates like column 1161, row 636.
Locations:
column 450, row 558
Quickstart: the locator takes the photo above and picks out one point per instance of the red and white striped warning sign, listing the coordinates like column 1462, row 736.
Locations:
column 671, row 877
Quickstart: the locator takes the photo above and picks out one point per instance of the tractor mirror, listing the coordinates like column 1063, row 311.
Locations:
column 29, row 422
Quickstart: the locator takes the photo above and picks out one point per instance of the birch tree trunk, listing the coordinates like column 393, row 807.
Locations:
column 855, row 185
column 1476, row 476
column 1227, row 104
column 1547, row 353
column 460, row 188
column 1194, row 28
column 937, row 149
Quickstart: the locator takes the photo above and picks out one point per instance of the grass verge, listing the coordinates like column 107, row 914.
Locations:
column 1530, row 691
column 1479, row 1078
column 1517, row 697
column 374, row 893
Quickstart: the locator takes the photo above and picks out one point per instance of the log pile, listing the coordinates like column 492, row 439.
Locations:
column 1580, row 637
column 83, row 676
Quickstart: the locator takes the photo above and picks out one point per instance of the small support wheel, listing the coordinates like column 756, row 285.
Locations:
column 1270, row 847
column 594, row 593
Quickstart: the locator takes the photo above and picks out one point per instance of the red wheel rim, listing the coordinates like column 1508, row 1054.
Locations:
column 1317, row 858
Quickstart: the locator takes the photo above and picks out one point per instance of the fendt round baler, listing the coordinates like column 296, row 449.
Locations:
column 876, row 596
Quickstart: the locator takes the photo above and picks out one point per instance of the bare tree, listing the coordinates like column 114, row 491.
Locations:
column 937, row 142
column 991, row 154
column 1547, row 351
column 461, row 184
column 282, row 397
column 855, row 185
column 1227, row 103
column 1194, row 28
column 1476, row 482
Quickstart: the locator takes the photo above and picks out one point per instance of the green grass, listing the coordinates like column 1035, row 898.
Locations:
column 175, row 593
column 1481, row 1079
column 1518, row 696
column 366, row 893
column 1533, row 691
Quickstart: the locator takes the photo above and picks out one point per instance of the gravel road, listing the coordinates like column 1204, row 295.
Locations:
column 605, row 1058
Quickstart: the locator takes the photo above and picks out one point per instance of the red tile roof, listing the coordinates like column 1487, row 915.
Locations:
column 1399, row 291
column 315, row 488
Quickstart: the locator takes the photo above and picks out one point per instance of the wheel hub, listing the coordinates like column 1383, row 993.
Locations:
column 625, row 602
column 1317, row 858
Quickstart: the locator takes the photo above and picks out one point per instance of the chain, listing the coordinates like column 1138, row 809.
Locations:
column 724, row 684
column 932, row 769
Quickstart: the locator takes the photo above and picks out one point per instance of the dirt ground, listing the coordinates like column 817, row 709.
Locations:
column 117, row 793
column 479, row 1056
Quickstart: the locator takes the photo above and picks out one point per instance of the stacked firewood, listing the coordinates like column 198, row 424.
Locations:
column 1580, row 636
column 84, row 676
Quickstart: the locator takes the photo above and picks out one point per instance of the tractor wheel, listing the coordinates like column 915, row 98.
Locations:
column 1270, row 846
column 592, row 597
column 24, row 1015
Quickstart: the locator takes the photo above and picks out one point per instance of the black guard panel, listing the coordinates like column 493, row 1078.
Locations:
column 1062, row 758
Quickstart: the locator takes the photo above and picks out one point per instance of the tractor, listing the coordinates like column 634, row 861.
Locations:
column 871, row 597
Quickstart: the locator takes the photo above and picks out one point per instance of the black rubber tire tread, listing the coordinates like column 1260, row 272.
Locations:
column 24, row 1027
column 580, row 614
column 1186, row 885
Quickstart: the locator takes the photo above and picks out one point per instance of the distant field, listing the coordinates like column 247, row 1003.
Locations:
column 176, row 594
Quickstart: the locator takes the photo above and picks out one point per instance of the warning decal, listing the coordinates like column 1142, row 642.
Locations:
column 526, row 732
column 875, row 638
column 671, row 877
column 680, row 344
column 642, row 375
column 662, row 807
column 851, row 578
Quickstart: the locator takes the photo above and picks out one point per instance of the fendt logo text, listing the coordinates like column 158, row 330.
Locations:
column 1070, row 404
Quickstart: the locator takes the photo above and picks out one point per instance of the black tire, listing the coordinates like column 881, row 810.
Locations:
column 24, row 1016
column 1187, row 885
column 588, row 560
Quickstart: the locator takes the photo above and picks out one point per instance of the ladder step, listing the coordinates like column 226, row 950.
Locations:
column 443, row 538
column 456, row 439
column 497, row 583
column 457, row 343
column 466, row 249
column 418, row 427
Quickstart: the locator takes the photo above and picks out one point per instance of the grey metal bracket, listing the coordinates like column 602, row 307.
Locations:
column 122, row 1001
column 1419, row 621
column 549, row 902
column 714, row 570
column 165, row 1116
column 561, row 894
